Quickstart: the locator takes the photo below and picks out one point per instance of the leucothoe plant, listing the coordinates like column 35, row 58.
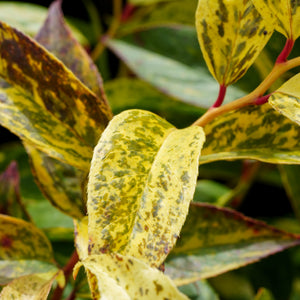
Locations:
column 128, row 180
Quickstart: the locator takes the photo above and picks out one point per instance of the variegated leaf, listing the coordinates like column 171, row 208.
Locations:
column 284, row 14
column 24, row 249
column 81, row 237
column 125, row 277
column 215, row 240
column 286, row 99
column 254, row 132
column 142, row 178
column 231, row 34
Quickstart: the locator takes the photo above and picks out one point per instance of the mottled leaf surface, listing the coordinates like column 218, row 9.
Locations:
column 124, row 277
column 231, row 35
column 286, row 99
column 256, row 132
column 31, row 287
column 59, row 182
column 180, row 73
column 284, row 14
column 81, row 237
column 215, row 240
column 142, row 178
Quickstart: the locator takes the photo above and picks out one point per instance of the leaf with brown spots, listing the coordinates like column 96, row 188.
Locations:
column 255, row 132
column 284, row 14
column 124, row 277
column 231, row 35
column 142, row 179
column 81, row 237
column 215, row 240
column 24, row 250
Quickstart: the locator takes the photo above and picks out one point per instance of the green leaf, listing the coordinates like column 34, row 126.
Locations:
column 231, row 35
column 215, row 240
column 32, row 287
column 141, row 95
column 125, row 277
column 142, row 179
column 180, row 73
column 59, row 182
column 256, row 132
column 286, row 99
column 284, row 14
column 24, row 249
column 263, row 294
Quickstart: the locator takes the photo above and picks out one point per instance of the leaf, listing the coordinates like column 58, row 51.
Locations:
column 81, row 237
column 30, row 68
column 141, row 95
column 142, row 179
column 59, row 182
column 263, row 294
column 284, row 14
column 124, row 277
column 24, row 249
column 200, row 290
column 147, row 2
column 32, row 287
column 256, row 132
column 231, row 35
column 215, row 240
column 180, row 73
column 286, row 99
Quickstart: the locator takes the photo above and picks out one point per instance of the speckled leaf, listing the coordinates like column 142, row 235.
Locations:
column 284, row 14
column 255, row 132
column 286, row 99
column 29, row 67
column 57, row 38
column 31, row 287
column 124, row 277
column 231, row 35
column 24, row 249
column 81, row 237
column 215, row 240
column 142, row 179
column 59, row 182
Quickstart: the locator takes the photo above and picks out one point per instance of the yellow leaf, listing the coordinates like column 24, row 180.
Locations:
column 142, row 179
column 284, row 14
column 231, row 34
column 123, row 277
column 81, row 237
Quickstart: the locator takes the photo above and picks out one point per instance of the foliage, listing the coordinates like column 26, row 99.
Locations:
column 151, row 194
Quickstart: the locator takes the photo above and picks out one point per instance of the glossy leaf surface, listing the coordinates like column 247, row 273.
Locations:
column 256, row 132
column 286, row 99
column 215, row 240
column 284, row 14
column 123, row 277
column 231, row 35
column 142, row 178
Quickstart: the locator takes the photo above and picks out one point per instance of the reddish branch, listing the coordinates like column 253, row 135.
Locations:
column 221, row 96
column 286, row 51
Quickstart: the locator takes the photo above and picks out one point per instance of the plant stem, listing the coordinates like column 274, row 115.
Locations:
column 221, row 96
column 250, row 99
column 286, row 51
column 67, row 269
column 117, row 15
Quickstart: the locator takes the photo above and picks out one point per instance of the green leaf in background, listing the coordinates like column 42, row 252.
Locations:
column 215, row 240
column 141, row 95
column 125, row 277
column 180, row 72
column 284, row 14
column 24, row 249
column 286, row 99
column 256, row 132
column 231, row 36
column 142, row 179
column 263, row 294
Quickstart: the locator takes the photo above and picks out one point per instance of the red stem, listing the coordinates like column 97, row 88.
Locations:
column 221, row 96
column 127, row 12
column 282, row 57
column 262, row 100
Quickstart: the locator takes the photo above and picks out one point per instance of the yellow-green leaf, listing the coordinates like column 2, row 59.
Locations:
column 59, row 182
column 124, row 277
column 284, row 14
column 231, row 34
column 256, row 132
column 31, row 287
column 286, row 99
column 215, row 240
column 81, row 237
column 24, row 249
column 263, row 294
column 142, row 178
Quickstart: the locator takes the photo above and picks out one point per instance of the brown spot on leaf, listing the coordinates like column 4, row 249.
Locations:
column 6, row 241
